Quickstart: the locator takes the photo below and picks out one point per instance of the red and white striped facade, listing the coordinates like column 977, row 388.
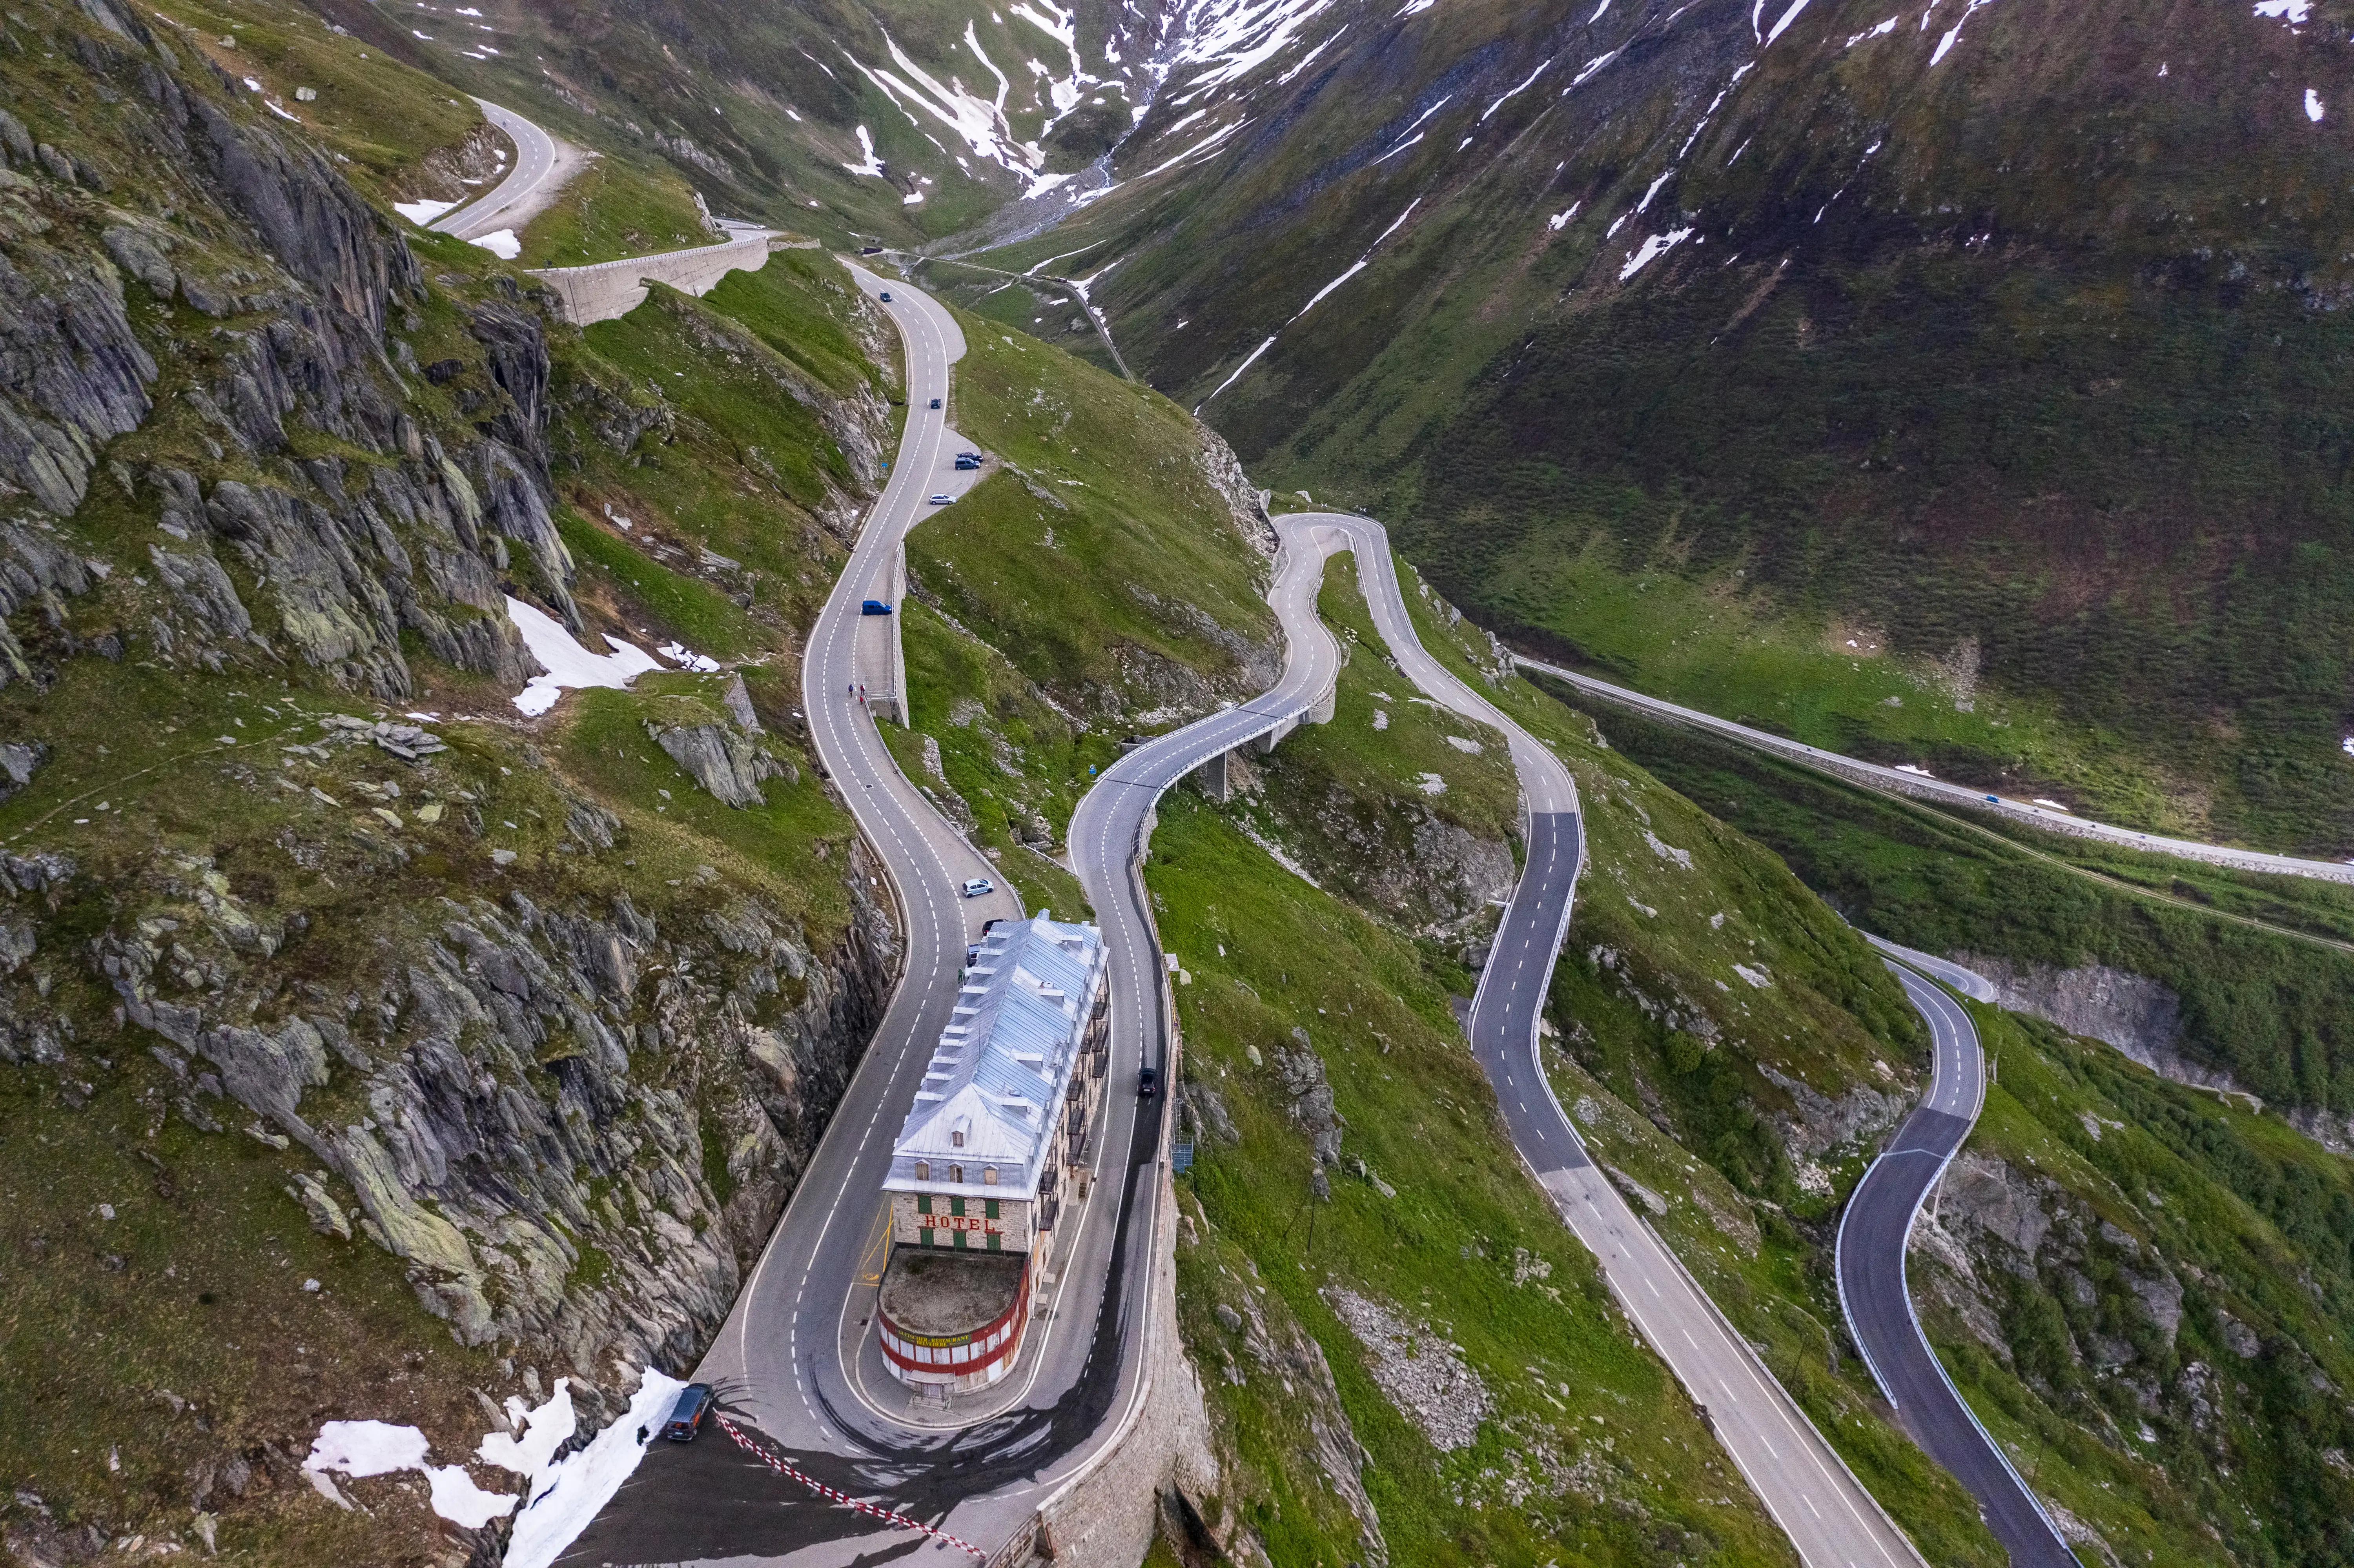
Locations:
column 963, row 1361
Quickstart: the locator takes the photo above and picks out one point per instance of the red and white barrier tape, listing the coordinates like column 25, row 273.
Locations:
column 784, row 1467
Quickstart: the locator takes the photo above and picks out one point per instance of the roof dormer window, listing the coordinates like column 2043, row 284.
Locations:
column 956, row 1139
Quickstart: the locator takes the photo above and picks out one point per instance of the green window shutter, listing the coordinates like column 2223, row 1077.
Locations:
column 956, row 1207
column 996, row 1243
column 960, row 1237
column 988, row 1207
column 923, row 1203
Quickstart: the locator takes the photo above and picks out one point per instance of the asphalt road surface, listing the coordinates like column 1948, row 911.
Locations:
column 1872, row 1293
column 1921, row 784
column 540, row 165
column 1829, row 1516
column 796, row 1360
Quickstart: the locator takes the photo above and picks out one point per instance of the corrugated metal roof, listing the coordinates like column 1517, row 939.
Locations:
column 1001, row 1067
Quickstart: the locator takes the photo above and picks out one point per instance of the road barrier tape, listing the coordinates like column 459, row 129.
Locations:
column 785, row 1467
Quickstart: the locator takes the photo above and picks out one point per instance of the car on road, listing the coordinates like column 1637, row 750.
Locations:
column 695, row 1402
column 874, row 607
column 935, row 402
column 887, row 296
column 942, row 500
column 968, row 460
column 1148, row 1083
column 974, row 886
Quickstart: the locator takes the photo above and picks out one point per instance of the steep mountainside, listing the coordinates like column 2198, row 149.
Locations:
column 2001, row 337
column 368, row 1047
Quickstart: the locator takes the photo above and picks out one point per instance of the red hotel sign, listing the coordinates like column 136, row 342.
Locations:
column 973, row 1223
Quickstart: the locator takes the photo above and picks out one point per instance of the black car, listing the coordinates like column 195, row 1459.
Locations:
column 887, row 296
column 935, row 402
column 1148, row 1083
column 695, row 1402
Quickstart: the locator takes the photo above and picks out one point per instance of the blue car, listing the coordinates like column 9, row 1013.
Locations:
column 874, row 607
column 695, row 1402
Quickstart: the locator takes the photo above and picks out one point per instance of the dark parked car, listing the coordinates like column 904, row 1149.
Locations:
column 1148, row 1083
column 695, row 1402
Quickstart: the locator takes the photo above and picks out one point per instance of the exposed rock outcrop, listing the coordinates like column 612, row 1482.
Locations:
column 508, row 1056
column 730, row 764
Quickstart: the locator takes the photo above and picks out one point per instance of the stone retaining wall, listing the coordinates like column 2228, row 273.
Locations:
column 606, row 290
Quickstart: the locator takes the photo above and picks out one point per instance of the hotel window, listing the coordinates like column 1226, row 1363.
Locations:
column 956, row 1173
column 956, row 1139
column 923, row 1170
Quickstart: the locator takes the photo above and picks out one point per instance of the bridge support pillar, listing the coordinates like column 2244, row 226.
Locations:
column 1322, row 712
column 1215, row 778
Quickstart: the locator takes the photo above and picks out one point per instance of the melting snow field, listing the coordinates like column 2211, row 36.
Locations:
column 1651, row 249
column 873, row 165
column 421, row 213
column 566, row 1497
column 563, row 1496
column 501, row 243
column 567, row 662
column 379, row 1448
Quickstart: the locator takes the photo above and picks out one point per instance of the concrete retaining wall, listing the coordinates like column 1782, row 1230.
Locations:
column 610, row 289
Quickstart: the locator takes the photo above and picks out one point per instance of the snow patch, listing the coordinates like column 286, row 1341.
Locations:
column 1560, row 220
column 1651, row 249
column 1881, row 31
column 567, row 664
column 500, row 242
column 1955, row 32
column 2313, row 106
column 2293, row 12
column 361, row 1448
column 423, row 213
column 1781, row 27
column 686, row 658
column 566, row 1497
column 1919, row 772
column 871, row 164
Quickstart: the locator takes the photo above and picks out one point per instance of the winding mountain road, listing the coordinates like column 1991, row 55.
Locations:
column 1829, row 1516
column 542, row 165
column 796, row 1360
column 1870, row 1265
column 1921, row 785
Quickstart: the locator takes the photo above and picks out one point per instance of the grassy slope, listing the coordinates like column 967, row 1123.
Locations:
column 2211, row 1188
column 611, row 209
column 1104, row 492
column 380, row 116
column 2271, row 1012
column 2252, row 1220
column 104, row 1332
column 1671, row 1045
column 1048, row 623
column 1591, row 1451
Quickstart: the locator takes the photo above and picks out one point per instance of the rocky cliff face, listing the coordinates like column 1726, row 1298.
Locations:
column 461, row 1021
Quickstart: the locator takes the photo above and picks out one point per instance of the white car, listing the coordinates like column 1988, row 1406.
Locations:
column 942, row 500
column 974, row 886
